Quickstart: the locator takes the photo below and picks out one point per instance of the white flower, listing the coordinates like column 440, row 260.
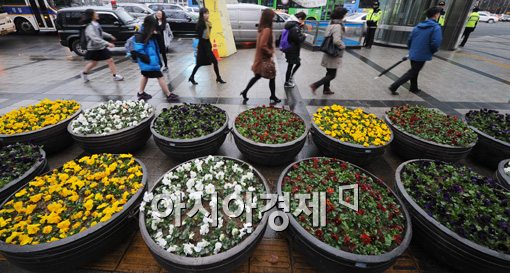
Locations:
column 507, row 170
column 220, row 175
column 208, row 177
column 222, row 237
column 204, row 229
column 209, row 158
column 192, row 174
column 188, row 248
column 219, row 164
column 197, row 195
column 217, row 247
column 147, row 197
column 187, row 166
column 201, row 245
column 172, row 248
column 191, row 235
column 190, row 183
column 161, row 242
column 210, row 189
column 199, row 186
column 242, row 232
column 142, row 206
column 248, row 227
column 235, row 231
column 250, row 188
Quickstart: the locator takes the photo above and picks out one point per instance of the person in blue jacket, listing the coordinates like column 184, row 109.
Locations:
column 423, row 42
column 146, row 50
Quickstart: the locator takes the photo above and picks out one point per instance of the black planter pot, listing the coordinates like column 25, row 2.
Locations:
column 67, row 254
column 53, row 138
column 502, row 178
column 39, row 167
column 488, row 150
column 122, row 141
column 354, row 153
column 445, row 244
column 268, row 154
column 186, row 149
column 331, row 260
column 227, row 261
column 409, row 146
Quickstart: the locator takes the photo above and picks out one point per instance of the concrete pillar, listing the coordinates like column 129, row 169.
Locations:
column 456, row 17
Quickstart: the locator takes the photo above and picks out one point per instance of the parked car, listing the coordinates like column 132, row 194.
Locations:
column 136, row 10
column 244, row 19
column 6, row 24
column 116, row 22
column 181, row 22
column 165, row 6
column 358, row 18
column 487, row 17
column 505, row 18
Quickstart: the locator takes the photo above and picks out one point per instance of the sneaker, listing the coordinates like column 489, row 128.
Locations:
column 289, row 84
column 118, row 78
column 165, row 69
column 85, row 77
column 144, row 96
column 328, row 92
column 172, row 97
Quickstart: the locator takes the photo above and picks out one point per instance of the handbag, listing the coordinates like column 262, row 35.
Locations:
column 328, row 46
column 268, row 69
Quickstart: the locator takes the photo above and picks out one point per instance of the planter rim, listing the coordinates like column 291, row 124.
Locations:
column 358, row 146
column 278, row 145
column 10, row 248
column 437, row 224
column 385, row 257
column 471, row 145
column 34, row 167
column 198, row 261
column 70, row 130
column 71, row 117
column 480, row 132
column 188, row 140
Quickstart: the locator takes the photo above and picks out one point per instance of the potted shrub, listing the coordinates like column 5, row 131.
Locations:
column 113, row 127
column 503, row 173
column 197, row 245
column 43, row 124
column 350, row 134
column 459, row 216
column 493, row 131
column 421, row 132
column 188, row 131
column 366, row 239
column 269, row 135
column 69, row 216
column 19, row 163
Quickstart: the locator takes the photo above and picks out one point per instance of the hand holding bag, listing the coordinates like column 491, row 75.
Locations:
column 328, row 46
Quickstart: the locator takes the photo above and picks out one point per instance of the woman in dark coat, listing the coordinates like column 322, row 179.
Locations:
column 163, row 30
column 205, row 55
column 263, row 65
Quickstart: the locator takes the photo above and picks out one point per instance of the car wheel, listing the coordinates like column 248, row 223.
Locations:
column 76, row 47
column 24, row 27
column 491, row 21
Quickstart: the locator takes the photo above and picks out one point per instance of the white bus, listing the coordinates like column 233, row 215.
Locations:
column 31, row 16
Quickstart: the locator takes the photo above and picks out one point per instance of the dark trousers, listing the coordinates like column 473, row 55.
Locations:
column 369, row 40
column 272, row 84
column 465, row 35
column 162, row 50
column 411, row 74
column 216, row 69
column 290, row 71
column 326, row 81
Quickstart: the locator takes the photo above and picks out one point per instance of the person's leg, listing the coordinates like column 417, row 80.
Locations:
column 192, row 77
column 403, row 79
column 250, row 84
column 296, row 67
column 164, row 86
column 272, row 88
column 163, row 54
column 416, row 67
column 217, row 71
column 89, row 67
column 370, row 37
column 112, row 66
column 330, row 75
column 288, row 74
column 467, row 32
column 141, row 92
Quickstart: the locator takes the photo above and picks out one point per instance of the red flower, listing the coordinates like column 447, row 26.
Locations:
column 347, row 240
column 343, row 165
column 302, row 218
column 295, row 166
column 334, row 236
column 381, row 207
column 365, row 238
column 330, row 190
column 360, row 212
column 397, row 239
column 338, row 221
column 319, row 233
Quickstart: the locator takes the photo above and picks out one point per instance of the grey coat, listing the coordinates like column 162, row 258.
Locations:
column 96, row 37
column 337, row 30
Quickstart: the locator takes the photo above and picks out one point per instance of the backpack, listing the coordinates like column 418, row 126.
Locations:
column 284, row 41
column 130, row 47
column 83, row 38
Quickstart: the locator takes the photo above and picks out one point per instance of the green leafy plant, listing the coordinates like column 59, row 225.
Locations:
column 16, row 160
column 490, row 122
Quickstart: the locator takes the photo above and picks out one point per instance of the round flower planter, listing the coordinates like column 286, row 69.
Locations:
column 409, row 146
column 52, row 138
column 502, row 178
column 39, row 167
column 445, row 244
column 489, row 150
column 330, row 259
column 122, row 141
column 268, row 154
column 66, row 254
column 226, row 261
column 354, row 153
column 185, row 149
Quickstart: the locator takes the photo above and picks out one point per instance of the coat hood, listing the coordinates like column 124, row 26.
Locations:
column 427, row 24
column 291, row 23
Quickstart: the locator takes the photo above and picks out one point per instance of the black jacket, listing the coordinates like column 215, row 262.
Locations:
column 296, row 37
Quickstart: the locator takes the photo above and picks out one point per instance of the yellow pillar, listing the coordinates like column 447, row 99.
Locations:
column 222, row 38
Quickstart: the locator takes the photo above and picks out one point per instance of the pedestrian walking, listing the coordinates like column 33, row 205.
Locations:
column 373, row 17
column 97, row 46
column 295, row 38
column 164, row 36
column 423, row 42
column 148, row 58
column 473, row 19
column 205, row 55
column 335, row 30
column 263, row 65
